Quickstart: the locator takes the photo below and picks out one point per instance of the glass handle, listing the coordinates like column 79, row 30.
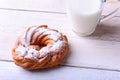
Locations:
column 103, row 0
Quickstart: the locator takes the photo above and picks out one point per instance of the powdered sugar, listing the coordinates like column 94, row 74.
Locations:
column 29, row 34
column 43, row 31
column 27, row 53
column 38, row 32
column 22, row 51
column 58, row 46
column 34, row 33
column 44, row 51
column 53, row 35
column 32, row 53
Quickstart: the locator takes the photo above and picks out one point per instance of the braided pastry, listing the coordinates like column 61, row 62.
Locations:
column 40, row 47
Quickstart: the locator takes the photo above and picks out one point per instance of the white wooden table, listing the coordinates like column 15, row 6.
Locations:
column 96, row 57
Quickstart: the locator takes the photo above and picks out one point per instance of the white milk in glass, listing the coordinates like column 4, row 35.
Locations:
column 84, row 15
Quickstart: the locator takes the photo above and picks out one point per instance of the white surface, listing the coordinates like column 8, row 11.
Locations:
column 14, row 72
column 99, row 51
column 90, row 52
column 34, row 5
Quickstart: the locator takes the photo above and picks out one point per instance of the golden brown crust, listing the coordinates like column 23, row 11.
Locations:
column 40, row 47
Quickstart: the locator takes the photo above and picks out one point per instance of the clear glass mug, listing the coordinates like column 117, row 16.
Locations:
column 84, row 15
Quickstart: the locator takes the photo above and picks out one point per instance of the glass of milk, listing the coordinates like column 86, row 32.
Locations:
column 84, row 15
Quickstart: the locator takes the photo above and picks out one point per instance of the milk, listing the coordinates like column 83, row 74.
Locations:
column 84, row 15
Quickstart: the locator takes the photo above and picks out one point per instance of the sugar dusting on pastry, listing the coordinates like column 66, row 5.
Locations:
column 40, row 47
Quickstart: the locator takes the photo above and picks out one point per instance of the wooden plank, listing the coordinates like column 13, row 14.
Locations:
column 99, row 50
column 9, row 71
column 34, row 5
column 20, row 20
column 37, row 5
column 13, row 23
column 83, row 52
column 93, row 53
column 108, row 30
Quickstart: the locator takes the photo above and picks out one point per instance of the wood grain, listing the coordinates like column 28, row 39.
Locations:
column 107, row 30
column 100, row 50
column 55, row 6
column 14, row 72
column 83, row 52
column 95, row 52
